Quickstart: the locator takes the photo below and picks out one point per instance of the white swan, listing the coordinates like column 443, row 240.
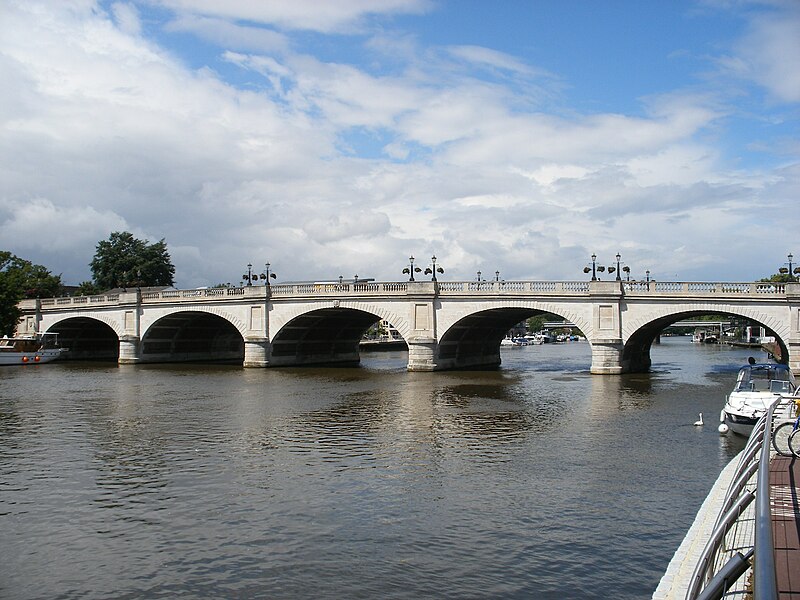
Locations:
column 700, row 422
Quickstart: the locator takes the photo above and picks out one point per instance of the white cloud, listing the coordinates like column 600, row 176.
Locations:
column 768, row 54
column 102, row 129
column 230, row 35
column 328, row 17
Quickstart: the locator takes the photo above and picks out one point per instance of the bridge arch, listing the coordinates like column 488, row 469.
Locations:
column 195, row 335
column 88, row 338
column 639, row 340
column 325, row 335
column 472, row 338
column 385, row 312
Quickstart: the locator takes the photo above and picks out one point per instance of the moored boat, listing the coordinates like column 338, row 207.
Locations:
column 30, row 349
column 758, row 385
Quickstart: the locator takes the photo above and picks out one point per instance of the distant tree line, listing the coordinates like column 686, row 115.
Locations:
column 121, row 261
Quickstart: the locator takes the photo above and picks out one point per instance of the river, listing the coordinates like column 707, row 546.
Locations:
column 537, row 480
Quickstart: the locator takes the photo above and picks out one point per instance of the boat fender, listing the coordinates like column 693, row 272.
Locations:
column 723, row 428
column 24, row 359
column 37, row 358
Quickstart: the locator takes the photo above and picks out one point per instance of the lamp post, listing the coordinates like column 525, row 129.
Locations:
column 248, row 277
column 791, row 272
column 595, row 269
column 618, row 276
column 433, row 269
column 411, row 269
column 267, row 274
column 497, row 275
column 479, row 276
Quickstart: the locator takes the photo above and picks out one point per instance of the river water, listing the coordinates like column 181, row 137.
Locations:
column 537, row 480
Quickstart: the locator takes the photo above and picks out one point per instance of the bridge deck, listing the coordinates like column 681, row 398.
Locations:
column 784, row 479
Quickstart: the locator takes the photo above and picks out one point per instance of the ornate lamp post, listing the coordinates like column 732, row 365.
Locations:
column 433, row 269
column 479, row 276
column 411, row 269
column 266, row 275
column 595, row 268
column 791, row 272
column 497, row 275
column 249, row 277
column 618, row 276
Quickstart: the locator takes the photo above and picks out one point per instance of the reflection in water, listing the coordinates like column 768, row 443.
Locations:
column 535, row 480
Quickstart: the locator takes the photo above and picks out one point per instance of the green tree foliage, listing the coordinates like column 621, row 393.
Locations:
column 780, row 278
column 536, row 323
column 20, row 279
column 124, row 261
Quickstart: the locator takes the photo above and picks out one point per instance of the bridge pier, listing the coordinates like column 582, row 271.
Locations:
column 794, row 356
column 129, row 349
column 607, row 356
column 256, row 352
column 422, row 354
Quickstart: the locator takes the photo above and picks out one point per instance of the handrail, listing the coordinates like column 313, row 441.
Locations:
column 764, row 578
column 706, row 584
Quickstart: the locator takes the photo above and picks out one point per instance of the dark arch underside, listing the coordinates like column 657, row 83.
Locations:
column 326, row 336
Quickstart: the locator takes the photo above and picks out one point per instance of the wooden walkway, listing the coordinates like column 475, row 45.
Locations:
column 784, row 480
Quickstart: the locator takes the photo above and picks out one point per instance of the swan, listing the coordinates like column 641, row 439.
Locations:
column 700, row 422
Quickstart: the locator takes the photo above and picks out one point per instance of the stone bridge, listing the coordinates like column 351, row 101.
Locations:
column 447, row 325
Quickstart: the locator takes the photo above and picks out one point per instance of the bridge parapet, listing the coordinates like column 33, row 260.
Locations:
column 442, row 288
column 516, row 287
column 693, row 288
column 338, row 289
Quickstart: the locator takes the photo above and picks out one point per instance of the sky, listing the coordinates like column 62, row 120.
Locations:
column 342, row 137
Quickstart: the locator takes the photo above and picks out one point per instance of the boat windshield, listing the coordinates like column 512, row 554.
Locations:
column 777, row 379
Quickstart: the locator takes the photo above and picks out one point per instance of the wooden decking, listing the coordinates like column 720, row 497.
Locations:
column 784, row 479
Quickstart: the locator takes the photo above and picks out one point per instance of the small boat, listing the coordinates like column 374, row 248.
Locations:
column 758, row 385
column 30, row 349
column 701, row 336
column 514, row 341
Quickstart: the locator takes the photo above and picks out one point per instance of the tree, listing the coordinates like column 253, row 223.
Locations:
column 124, row 261
column 20, row 279
column 783, row 277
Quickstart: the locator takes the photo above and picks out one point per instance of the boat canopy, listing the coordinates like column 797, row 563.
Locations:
column 774, row 378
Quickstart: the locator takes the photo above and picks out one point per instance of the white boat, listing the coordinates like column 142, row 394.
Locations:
column 701, row 336
column 517, row 341
column 758, row 385
column 30, row 349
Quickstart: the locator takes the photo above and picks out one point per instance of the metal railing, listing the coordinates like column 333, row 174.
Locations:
column 715, row 573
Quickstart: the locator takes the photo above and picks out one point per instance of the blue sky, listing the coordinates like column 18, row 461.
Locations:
column 335, row 138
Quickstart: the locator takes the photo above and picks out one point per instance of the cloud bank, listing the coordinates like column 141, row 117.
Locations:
column 331, row 139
